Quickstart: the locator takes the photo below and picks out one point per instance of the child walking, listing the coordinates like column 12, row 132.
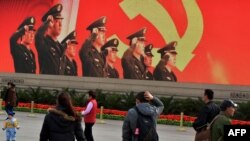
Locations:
column 10, row 125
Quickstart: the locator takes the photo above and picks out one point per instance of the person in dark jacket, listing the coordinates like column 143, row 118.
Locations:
column 93, row 61
column 207, row 113
column 110, row 50
column 68, row 63
column 10, row 98
column 23, row 56
column 163, row 71
column 50, row 51
column 148, row 61
column 132, row 59
column 143, row 100
column 62, row 123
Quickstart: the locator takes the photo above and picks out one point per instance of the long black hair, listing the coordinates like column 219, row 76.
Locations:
column 65, row 102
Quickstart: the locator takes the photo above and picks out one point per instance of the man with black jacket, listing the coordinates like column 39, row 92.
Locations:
column 10, row 98
column 207, row 113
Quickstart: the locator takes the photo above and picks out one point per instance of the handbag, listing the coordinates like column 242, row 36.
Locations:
column 205, row 133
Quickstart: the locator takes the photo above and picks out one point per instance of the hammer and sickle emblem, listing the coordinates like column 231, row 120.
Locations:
column 152, row 11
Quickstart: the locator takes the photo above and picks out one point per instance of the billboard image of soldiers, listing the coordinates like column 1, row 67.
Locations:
column 148, row 61
column 163, row 70
column 23, row 56
column 93, row 61
column 68, row 63
column 49, row 49
column 132, row 59
column 110, row 50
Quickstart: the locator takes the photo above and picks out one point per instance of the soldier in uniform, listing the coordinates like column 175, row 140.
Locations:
column 49, row 49
column 163, row 70
column 148, row 61
column 68, row 64
column 23, row 56
column 109, row 50
column 93, row 61
column 132, row 59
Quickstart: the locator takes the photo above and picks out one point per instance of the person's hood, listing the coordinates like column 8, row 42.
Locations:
column 146, row 109
column 60, row 118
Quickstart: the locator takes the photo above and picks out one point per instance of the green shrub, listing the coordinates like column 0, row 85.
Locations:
column 127, row 101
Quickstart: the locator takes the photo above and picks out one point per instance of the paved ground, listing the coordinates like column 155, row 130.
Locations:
column 111, row 131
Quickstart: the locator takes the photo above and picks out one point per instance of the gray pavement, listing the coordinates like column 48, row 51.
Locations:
column 110, row 131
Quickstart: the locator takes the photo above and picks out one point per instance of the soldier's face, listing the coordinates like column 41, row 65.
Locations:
column 148, row 61
column 28, row 37
column 101, row 38
column 172, row 60
column 71, row 50
column 57, row 27
column 112, row 56
column 139, row 48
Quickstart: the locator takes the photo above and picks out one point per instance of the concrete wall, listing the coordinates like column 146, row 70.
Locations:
column 194, row 90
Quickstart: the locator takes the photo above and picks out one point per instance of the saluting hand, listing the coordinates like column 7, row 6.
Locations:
column 148, row 96
column 51, row 20
column 26, row 28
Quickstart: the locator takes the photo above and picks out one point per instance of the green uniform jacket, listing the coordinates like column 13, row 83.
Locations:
column 217, row 128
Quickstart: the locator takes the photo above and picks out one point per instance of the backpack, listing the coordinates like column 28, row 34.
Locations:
column 145, row 128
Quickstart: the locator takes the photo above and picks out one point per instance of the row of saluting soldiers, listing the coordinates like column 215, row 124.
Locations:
column 98, row 57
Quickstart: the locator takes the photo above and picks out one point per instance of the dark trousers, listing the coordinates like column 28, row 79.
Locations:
column 88, row 131
column 8, row 108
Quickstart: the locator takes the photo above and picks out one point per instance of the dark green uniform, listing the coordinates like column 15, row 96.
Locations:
column 112, row 72
column 149, row 75
column 24, row 58
column 70, row 67
column 133, row 68
column 161, row 73
column 50, row 52
column 148, row 52
column 92, row 61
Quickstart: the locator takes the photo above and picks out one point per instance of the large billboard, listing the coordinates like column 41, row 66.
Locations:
column 188, row 40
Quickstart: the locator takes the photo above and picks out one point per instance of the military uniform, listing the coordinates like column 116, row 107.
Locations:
column 110, row 72
column 149, row 75
column 132, row 67
column 148, row 52
column 24, row 58
column 125, row 58
column 68, row 66
column 50, row 52
column 161, row 72
column 93, row 62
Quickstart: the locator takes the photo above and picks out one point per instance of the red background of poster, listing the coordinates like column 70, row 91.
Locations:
column 221, row 56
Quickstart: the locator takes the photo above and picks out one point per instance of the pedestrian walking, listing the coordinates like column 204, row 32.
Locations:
column 140, row 122
column 90, row 116
column 62, row 123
